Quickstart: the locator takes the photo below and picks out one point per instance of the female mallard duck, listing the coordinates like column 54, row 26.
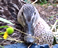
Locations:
column 34, row 25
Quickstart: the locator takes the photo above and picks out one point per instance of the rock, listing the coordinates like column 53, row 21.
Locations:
column 50, row 7
column 39, row 46
column 44, row 46
column 35, row 46
column 18, row 45
column 55, row 46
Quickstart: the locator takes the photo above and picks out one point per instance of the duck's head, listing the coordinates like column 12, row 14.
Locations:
column 27, row 17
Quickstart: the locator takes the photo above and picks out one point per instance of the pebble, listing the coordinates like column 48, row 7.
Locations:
column 50, row 7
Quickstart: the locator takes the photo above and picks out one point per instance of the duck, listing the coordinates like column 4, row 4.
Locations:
column 29, row 17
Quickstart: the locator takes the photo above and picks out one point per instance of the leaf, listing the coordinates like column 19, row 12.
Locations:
column 3, row 26
column 51, row 16
column 56, row 20
column 41, row 3
column 6, row 21
column 45, row 1
column 2, row 33
column 1, row 46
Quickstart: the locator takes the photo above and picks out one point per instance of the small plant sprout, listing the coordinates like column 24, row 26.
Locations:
column 9, row 30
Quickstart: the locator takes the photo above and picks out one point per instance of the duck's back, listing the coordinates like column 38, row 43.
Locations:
column 43, row 32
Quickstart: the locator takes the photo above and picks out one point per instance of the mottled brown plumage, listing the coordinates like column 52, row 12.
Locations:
column 39, row 28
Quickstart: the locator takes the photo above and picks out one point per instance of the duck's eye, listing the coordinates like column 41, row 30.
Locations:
column 34, row 13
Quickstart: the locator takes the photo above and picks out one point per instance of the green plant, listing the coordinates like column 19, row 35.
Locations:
column 1, row 46
column 6, row 21
column 3, row 26
column 42, row 2
column 9, row 30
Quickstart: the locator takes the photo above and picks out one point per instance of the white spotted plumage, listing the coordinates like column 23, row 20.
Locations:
column 41, row 28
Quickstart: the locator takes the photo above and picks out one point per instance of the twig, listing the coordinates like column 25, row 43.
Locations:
column 13, row 39
column 34, row 1
column 1, row 38
column 21, row 31
column 26, row 33
column 54, row 25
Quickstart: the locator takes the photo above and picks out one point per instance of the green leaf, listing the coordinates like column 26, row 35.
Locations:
column 1, row 46
column 41, row 3
column 2, row 33
column 51, row 16
column 45, row 2
column 57, row 20
column 6, row 21
column 55, row 5
column 3, row 26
